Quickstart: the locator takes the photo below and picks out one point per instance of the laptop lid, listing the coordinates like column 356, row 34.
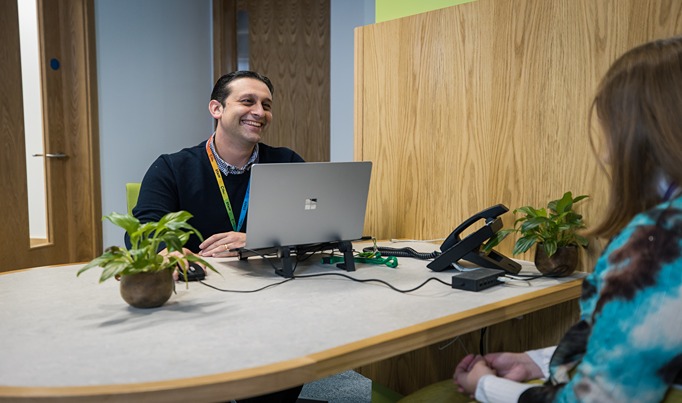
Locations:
column 306, row 203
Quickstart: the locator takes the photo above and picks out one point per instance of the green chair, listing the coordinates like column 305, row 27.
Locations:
column 382, row 394
column 132, row 193
column 439, row 392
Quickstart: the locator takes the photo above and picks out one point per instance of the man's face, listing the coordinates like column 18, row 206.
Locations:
column 247, row 111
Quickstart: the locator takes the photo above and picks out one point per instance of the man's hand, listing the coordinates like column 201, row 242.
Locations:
column 219, row 245
column 514, row 366
column 184, row 263
column 469, row 371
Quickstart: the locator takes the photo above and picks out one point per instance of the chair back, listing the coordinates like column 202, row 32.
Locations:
column 132, row 193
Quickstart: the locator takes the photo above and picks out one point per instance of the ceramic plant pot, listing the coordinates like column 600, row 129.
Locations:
column 147, row 290
column 560, row 264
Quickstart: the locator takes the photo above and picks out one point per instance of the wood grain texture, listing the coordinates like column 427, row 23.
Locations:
column 70, row 124
column 224, row 37
column 408, row 372
column 14, row 203
column 487, row 102
column 81, row 128
column 71, row 127
column 484, row 103
column 289, row 41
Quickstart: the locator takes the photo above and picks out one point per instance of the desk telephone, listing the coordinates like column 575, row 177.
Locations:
column 454, row 248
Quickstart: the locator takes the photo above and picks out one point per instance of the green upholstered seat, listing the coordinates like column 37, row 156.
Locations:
column 443, row 391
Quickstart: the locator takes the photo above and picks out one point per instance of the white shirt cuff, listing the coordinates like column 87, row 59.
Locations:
column 541, row 358
column 492, row 389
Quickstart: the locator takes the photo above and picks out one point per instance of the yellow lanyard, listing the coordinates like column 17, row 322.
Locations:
column 223, row 189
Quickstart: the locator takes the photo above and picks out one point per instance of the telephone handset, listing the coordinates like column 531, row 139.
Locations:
column 454, row 248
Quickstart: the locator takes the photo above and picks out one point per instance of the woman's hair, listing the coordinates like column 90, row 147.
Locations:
column 639, row 107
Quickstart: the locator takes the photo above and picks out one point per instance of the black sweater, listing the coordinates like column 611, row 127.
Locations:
column 185, row 181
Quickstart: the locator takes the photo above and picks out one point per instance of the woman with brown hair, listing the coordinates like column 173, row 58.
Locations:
column 627, row 346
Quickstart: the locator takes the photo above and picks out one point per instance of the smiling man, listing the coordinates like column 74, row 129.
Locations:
column 211, row 179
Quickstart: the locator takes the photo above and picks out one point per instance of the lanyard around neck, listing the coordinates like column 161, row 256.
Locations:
column 223, row 189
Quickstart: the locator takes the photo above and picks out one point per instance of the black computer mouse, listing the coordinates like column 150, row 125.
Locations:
column 194, row 273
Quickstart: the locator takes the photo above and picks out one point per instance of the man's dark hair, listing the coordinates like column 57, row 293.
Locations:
column 221, row 89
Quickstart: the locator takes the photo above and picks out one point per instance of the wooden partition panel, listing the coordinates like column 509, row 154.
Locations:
column 487, row 102
column 289, row 41
column 484, row 103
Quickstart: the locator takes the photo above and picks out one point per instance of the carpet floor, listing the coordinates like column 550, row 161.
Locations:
column 346, row 387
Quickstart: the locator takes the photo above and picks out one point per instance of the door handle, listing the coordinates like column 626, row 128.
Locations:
column 55, row 155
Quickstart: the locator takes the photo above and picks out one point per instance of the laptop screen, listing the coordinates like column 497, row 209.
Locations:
column 306, row 203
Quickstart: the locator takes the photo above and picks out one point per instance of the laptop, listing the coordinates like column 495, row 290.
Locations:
column 306, row 203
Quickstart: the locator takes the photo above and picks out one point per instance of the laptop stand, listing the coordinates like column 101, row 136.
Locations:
column 288, row 253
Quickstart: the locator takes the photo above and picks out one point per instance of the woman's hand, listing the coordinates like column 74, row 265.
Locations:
column 514, row 366
column 219, row 245
column 469, row 371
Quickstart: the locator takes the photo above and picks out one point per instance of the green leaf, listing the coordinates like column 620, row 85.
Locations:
column 530, row 211
column 96, row 262
column 172, row 229
column 193, row 230
column 578, row 198
column 113, row 268
column 197, row 259
column 496, row 239
column 550, row 246
column 173, row 242
column 126, row 221
column 144, row 231
column 563, row 204
column 523, row 244
column 581, row 240
column 556, row 226
column 178, row 216
column 532, row 223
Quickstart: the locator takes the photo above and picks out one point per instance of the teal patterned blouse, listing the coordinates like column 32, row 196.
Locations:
column 627, row 346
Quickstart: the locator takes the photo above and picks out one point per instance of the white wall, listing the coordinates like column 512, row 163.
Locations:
column 154, row 73
column 154, row 65
column 345, row 16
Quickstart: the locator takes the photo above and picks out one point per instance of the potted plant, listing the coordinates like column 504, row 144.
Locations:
column 555, row 231
column 147, row 276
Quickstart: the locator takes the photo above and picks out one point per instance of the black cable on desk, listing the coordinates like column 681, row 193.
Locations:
column 369, row 280
column 385, row 251
column 245, row 291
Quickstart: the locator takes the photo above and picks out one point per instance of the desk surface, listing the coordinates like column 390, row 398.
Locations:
column 71, row 338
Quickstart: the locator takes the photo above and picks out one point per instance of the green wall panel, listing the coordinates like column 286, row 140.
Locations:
column 392, row 9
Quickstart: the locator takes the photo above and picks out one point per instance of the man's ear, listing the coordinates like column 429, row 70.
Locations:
column 215, row 108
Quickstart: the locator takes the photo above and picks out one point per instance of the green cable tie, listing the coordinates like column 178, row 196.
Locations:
column 390, row 261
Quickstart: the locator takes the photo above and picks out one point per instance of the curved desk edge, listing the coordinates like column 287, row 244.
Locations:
column 285, row 374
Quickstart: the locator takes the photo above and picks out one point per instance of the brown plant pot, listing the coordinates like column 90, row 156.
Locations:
column 560, row 264
column 147, row 290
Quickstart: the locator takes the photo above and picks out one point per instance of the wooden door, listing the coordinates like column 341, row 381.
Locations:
column 289, row 41
column 67, row 52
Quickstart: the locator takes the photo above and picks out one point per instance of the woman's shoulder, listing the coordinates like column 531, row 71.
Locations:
column 665, row 217
column 653, row 235
column 666, row 214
